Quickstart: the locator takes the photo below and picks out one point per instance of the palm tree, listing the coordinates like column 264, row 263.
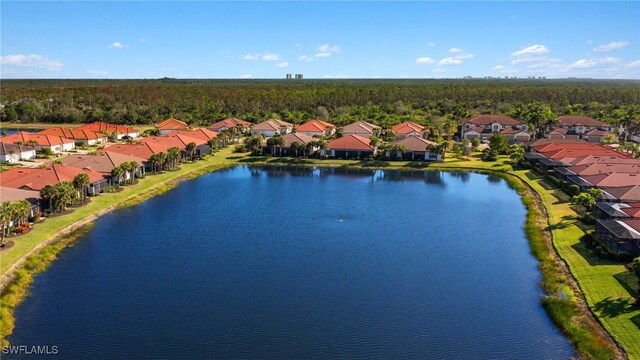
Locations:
column 162, row 160
column 276, row 141
column 375, row 141
column 49, row 193
column 133, row 167
column 81, row 182
column 32, row 143
column 173, row 155
column 118, row 173
column 516, row 153
column 254, row 143
column 22, row 209
column 191, row 149
column 5, row 219
column 66, row 193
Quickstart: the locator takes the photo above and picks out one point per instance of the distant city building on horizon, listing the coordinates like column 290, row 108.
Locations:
column 288, row 76
column 299, row 76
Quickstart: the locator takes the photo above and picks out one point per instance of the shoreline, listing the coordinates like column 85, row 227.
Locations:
column 559, row 275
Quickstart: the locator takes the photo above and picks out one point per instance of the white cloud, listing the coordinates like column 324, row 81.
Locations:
column 589, row 63
column 282, row 65
column 322, row 55
column 305, row 58
column 33, row 61
column 97, row 72
column 263, row 57
column 143, row 40
column 326, row 48
column 297, row 44
column 431, row 44
column 464, row 56
column 439, row 70
column 611, row 46
column 118, row 45
column 531, row 50
column 449, row 61
column 499, row 67
column 270, row 57
column 589, row 42
column 634, row 64
column 425, row 60
column 455, row 50
column 246, row 76
column 513, row 17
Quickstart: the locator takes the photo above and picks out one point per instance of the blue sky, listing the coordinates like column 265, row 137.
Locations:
column 319, row 39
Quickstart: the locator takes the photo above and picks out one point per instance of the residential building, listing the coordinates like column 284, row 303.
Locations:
column 417, row 148
column 316, row 127
column 362, row 129
column 11, row 194
column 349, row 147
column 12, row 153
column 37, row 178
column 171, row 124
column 113, row 131
column 79, row 136
column 103, row 162
column 271, row 127
column 620, row 236
column 286, row 150
column 484, row 126
column 229, row 123
column 578, row 126
column 40, row 141
column 407, row 129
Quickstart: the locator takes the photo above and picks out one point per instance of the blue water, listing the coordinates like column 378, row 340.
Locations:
column 301, row 263
column 13, row 131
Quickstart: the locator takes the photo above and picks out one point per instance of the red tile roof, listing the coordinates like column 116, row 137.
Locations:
column 229, row 122
column 75, row 134
column 632, row 223
column 605, row 168
column 512, row 131
column 598, row 159
column 105, row 128
column 102, row 162
column 11, row 194
column 200, row 133
column 350, row 142
column 580, row 120
column 140, row 150
column 490, row 119
column 407, row 127
column 613, row 179
column 415, row 143
column 172, row 124
column 559, row 131
column 598, row 132
column 41, row 139
column 37, row 179
column 624, row 193
column 315, row 125
column 545, row 141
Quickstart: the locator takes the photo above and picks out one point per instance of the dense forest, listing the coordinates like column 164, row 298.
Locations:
column 385, row 102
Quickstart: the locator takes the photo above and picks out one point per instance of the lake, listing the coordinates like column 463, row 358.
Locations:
column 301, row 263
column 11, row 131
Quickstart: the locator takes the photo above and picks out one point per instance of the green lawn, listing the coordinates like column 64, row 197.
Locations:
column 607, row 285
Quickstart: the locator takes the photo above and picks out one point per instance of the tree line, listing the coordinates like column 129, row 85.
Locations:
column 384, row 102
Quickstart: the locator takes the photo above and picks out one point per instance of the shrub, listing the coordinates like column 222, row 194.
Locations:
column 574, row 190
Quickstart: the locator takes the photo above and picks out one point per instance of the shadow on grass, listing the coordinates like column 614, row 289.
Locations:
column 584, row 251
column 628, row 281
column 374, row 163
column 612, row 307
column 636, row 321
column 419, row 164
column 253, row 159
column 288, row 161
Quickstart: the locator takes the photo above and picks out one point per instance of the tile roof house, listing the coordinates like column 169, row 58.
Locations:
column 86, row 137
column 139, row 150
column 622, row 193
column 37, row 178
column 113, row 131
column 408, row 128
column 13, row 153
column 578, row 127
column 171, row 124
column 349, row 147
column 11, row 194
column 230, row 123
column 285, row 149
column 269, row 128
column 203, row 135
column 362, row 128
column 608, row 211
column 597, row 135
column 417, row 148
column 102, row 162
column 42, row 141
column 484, row 126
column 316, row 127
column 609, row 180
